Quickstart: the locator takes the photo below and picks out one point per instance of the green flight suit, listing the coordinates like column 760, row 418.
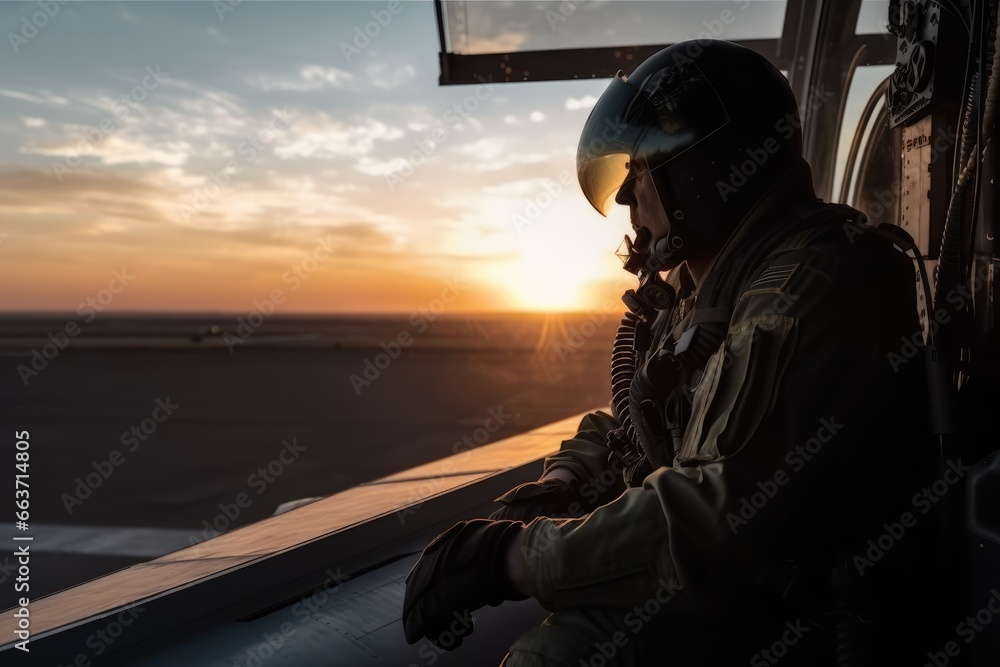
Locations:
column 795, row 423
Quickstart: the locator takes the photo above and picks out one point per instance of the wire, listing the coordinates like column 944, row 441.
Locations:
column 863, row 124
column 957, row 13
column 985, row 121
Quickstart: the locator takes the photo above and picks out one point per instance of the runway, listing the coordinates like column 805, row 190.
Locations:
column 144, row 439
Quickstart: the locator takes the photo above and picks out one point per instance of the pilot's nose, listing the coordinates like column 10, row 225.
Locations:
column 626, row 193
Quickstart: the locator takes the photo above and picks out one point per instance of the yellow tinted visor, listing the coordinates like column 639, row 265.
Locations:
column 601, row 177
column 650, row 120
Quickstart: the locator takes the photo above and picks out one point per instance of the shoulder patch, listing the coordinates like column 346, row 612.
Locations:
column 772, row 281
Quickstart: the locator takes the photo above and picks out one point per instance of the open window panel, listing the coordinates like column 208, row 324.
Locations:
column 584, row 39
column 818, row 44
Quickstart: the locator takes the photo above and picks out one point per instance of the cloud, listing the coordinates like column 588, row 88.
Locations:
column 331, row 75
column 173, row 176
column 88, row 204
column 27, row 192
column 381, row 75
column 374, row 167
column 33, row 122
column 520, row 188
column 215, row 104
column 386, row 76
column 44, row 97
column 342, row 188
column 114, row 149
column 200, row 114
column 103, row 227
column 484, row 149
column 534, row 117
column 585, row 102
column 298, row 184
column 323, row 137
column 310, row 78
column 120, row 150
column 493, row 158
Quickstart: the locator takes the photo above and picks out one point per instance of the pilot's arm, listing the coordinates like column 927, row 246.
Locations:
column 799, row 367
column 780, row 379
column 579, row 477
column 574, row 480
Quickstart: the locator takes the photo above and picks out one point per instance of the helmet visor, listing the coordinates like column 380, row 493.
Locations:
column 645, row 122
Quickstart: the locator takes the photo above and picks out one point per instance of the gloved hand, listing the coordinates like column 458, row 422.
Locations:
column 551, row 496
column 463, row 569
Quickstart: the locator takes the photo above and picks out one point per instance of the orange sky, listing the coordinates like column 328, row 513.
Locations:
column 211, row 180
column 208, row 154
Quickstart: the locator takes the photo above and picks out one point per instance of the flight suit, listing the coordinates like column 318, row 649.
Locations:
column 802, row 440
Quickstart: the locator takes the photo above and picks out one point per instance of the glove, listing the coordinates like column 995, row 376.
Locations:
column 462, row 570
column 549, row 497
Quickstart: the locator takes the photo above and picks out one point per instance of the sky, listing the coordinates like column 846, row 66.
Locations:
column 220, row 154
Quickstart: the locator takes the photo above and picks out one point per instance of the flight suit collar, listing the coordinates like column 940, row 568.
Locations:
column 793, row 187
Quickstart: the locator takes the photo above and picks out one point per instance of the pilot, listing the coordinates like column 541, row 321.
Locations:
column 761, row 438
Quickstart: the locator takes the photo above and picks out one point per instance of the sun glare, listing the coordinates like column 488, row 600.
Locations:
column 547, row 283
column 556, row 270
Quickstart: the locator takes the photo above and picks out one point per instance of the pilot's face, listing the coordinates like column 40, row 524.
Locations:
column 645, row 206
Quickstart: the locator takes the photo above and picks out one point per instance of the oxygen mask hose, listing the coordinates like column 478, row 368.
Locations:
column 623, row 367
